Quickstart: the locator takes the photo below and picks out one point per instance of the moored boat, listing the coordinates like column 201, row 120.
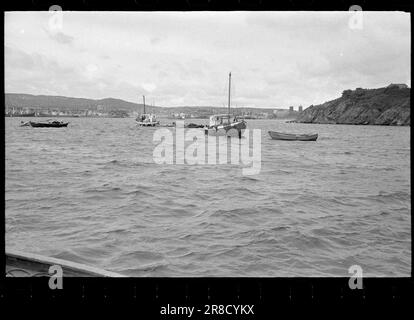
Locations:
column 293, row 137
column 49, row 124
column 226, row 123
column 189, row 126
column 147, row 119
column 168, row 125
column 21, row 264
column 194, row 125
column 25, row 124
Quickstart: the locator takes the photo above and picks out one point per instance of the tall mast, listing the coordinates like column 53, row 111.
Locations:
column 144, row 103
column 229, row 94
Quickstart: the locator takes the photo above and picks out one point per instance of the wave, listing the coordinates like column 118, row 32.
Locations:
column 144, row 269
column 102, row 189
column 139, row 256
column 387, row 197
column 71, row 255
column 237, row 212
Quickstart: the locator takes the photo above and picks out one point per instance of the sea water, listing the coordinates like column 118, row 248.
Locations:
column 92, row 193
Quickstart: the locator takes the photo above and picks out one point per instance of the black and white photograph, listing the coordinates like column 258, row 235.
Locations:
column 207, row 143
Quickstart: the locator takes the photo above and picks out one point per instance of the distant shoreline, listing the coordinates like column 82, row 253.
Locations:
column 109, row 117
column 189, row 119
column 355, row 124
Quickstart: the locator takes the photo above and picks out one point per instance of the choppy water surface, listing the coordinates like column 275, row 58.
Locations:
column 91, row 193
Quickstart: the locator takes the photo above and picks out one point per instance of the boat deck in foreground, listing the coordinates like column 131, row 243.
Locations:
column 20, row 264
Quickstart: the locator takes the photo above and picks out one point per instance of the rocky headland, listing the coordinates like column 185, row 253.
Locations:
column 383, row 106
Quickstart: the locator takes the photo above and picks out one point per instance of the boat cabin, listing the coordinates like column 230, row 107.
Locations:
column 149, row 117
column 220, row 119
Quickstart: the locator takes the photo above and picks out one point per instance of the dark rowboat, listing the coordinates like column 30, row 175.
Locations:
column 293, row 137
column 52, row 124
column 194, row 125
column 19, row 264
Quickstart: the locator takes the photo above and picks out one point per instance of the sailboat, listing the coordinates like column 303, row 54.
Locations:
column 225, row 122
column 147, row 119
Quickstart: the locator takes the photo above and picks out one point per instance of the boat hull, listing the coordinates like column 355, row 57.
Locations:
column 292, row 137
column 194, row 125
column 227, row 129
column 148, row 124
column 19, row 264
column 48, row 125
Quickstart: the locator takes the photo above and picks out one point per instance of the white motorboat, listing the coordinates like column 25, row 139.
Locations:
column 147, row 119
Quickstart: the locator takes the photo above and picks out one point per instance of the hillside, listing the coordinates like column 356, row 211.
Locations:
column 382, row 106
column 60, row 103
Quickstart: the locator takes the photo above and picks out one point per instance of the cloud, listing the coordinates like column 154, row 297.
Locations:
column 91, row 71
column 277, row 59
column 155, row 40
column 18, row 59
column 149, row 87
column 36, row 73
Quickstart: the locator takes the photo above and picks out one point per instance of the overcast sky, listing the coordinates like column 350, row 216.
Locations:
column 276, row 59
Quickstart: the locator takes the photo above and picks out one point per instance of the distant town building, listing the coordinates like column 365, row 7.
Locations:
column 290, row 108
column 300, row 109
column 398, row 85
column 181, row 115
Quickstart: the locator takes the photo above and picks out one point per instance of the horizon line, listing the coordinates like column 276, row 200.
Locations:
column 176, row 106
